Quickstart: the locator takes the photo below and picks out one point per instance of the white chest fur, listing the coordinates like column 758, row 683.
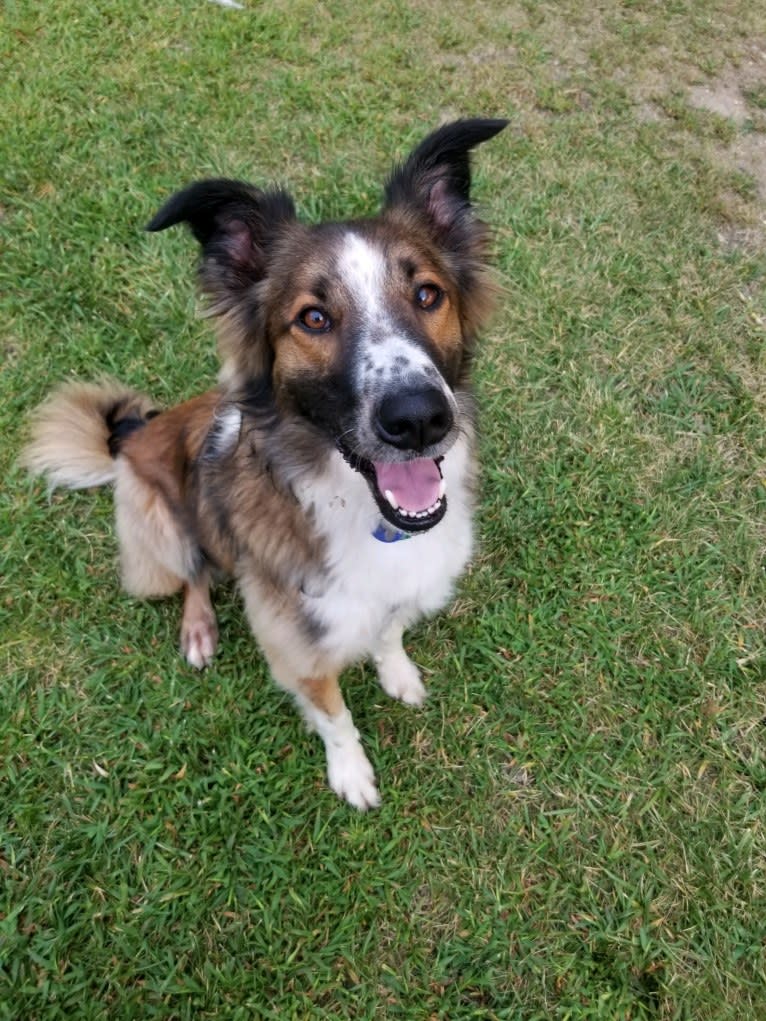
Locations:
column 368, row 584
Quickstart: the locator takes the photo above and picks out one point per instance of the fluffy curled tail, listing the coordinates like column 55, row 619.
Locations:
column 77, row 431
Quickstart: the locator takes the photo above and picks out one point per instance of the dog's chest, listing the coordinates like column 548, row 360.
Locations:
column 366, row 583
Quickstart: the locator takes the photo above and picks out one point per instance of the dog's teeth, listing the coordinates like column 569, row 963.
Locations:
column 442, row 489
column 391, row 499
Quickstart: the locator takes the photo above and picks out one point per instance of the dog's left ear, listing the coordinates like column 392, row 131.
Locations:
column 435, row 180
column 433, row 186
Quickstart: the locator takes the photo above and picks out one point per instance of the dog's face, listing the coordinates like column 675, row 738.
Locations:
column 363, row 328
column 368, row 345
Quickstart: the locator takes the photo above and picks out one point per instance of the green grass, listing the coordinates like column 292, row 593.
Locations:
column 574, row 826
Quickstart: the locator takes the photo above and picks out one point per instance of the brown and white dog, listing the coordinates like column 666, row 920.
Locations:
column 343, row 425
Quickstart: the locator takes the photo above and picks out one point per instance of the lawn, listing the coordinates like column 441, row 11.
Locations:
column 574, row 826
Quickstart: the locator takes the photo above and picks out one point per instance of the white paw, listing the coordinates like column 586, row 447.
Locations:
column 400, row 678
column 198, row 642
column 351, row 776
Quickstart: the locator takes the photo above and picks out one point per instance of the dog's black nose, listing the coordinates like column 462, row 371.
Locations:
column 413, row 419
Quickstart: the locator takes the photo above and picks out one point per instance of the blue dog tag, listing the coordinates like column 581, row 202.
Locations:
column 385, row 533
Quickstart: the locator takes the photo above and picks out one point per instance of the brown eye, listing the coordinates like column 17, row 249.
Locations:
column 428, row 296
column 314, row 320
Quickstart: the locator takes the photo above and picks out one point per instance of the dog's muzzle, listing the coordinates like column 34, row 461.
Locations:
column 410, row 492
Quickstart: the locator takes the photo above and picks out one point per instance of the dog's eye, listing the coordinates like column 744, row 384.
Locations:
column 314, row 320
column 428, row 296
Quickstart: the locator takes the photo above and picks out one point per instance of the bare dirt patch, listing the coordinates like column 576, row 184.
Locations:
column 735, row 237
column 738, row 94
column 723, row 97
column 748, row 155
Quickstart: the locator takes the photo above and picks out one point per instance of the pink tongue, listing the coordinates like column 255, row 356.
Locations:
column 413, row 484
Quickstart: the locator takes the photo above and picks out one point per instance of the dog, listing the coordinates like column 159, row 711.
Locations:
column 332, row 470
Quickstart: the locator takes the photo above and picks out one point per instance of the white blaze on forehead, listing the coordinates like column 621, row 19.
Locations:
column 363, row 269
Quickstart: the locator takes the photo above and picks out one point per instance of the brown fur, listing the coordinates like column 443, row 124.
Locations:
column 260, row 527
column 70, row 434
column 324, row 693
column 155, row 517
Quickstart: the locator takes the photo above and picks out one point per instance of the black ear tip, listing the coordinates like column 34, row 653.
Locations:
column 493, row 123
column 198, row 204
column 161, row 220
column 153, row 225
column 498, row 123
column 174, row 210
column 452, row 142
column 476, row 130
column 488, row 128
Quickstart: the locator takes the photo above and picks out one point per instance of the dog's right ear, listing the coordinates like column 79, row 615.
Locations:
column 235, row 224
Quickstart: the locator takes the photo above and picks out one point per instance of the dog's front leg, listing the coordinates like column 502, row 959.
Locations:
column 349, row 771
column 300, row 668
column 397, row 674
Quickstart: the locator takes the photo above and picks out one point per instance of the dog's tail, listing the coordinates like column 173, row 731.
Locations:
column 77, row 432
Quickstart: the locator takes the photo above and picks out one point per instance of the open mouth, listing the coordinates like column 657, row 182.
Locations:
column 409, row 494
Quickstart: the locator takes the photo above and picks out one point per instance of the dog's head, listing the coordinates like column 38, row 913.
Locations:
column 363, row 328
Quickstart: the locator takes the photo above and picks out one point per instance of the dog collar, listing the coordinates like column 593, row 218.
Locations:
column 387, row 533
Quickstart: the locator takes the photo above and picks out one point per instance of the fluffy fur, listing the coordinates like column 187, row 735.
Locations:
column 342, row 426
